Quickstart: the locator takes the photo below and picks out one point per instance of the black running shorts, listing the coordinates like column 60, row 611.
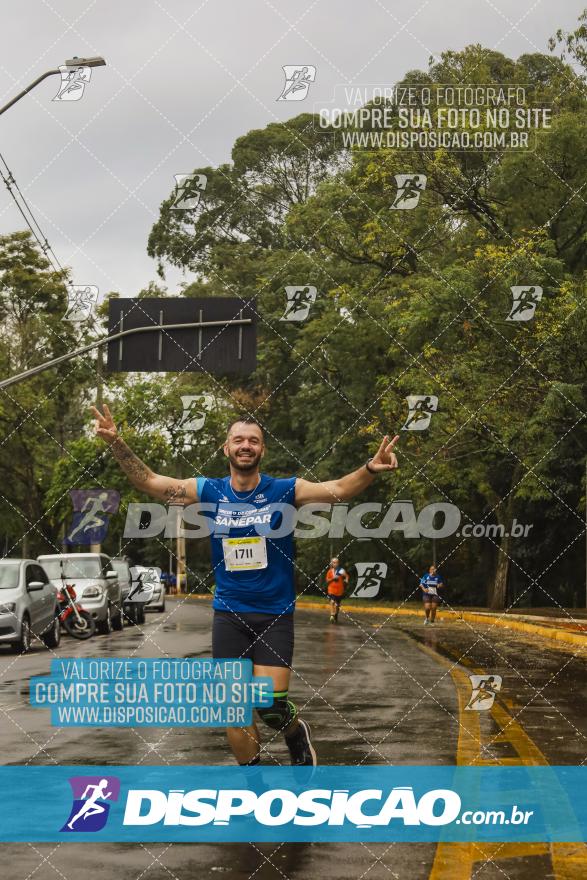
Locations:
column 266, row 639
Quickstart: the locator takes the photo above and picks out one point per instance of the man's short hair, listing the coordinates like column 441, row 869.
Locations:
column 247, row 420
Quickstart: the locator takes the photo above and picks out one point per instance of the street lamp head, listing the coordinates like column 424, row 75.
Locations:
column 98, row 61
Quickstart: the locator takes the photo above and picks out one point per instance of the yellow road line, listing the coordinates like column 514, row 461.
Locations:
column 455, row 861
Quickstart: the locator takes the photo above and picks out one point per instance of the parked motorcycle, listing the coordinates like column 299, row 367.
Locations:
column 78, row 622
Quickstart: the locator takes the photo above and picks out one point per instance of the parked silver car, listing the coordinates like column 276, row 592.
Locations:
column 134, row 612
column 95, row 582
column 157, row 600
column 28, row 605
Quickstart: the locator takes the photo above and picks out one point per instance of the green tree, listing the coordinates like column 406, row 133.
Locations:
column 39, row 415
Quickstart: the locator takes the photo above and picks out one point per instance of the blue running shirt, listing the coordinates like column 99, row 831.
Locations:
column 434, row 581
column 267, row 590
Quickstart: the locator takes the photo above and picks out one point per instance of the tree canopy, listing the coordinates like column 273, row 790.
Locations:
column 408, row 302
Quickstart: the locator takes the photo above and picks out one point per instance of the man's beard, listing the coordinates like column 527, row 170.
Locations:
column 245, row 465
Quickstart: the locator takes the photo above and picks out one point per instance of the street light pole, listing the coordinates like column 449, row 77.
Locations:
column 28, row 89
column 72, row 62
column 153, row 328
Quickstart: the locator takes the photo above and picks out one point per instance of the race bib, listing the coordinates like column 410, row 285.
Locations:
column 432, row 590
column 242, row 554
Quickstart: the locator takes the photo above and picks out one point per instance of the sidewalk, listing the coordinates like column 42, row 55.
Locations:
column 546, row 622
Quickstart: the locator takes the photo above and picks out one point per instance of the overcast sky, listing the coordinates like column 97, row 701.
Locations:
column 184, row 80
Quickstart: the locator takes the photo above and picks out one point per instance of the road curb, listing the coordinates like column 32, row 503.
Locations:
column 549, row 632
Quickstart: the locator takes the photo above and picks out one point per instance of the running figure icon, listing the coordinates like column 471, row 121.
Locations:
column 421, row 408
column 409, row 189
column 93, row 507
column 91, row 807
column 485, row 690
column 525, row 301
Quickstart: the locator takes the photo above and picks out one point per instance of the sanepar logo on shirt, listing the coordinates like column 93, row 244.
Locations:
column 235, row 521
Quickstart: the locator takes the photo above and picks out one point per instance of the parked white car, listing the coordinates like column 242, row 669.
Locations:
column 28, row 606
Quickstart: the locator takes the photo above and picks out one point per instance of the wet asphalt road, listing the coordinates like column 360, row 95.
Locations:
column 376, row 691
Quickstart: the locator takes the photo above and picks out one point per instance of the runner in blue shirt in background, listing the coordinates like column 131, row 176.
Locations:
column 253, row 561
column 430, row 584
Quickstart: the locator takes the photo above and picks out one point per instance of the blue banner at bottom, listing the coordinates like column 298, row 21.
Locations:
column 330, row 803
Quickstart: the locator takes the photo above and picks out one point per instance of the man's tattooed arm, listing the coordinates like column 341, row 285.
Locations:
column 142, row 477
column 175, row 493
column 136, row 470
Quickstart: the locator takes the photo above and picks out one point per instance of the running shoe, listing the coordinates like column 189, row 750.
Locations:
column 332, row 619
column 300, row 746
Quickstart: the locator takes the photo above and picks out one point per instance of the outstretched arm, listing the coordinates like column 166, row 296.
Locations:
column 352, row 484
column 168, row 489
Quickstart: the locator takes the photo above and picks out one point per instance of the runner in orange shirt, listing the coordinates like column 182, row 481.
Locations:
column 336, row 580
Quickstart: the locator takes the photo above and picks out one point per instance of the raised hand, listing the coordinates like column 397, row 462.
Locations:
column 104, row 424
column 385, row 459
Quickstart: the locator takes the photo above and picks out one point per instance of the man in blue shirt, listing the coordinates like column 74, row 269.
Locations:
column 252, row 558
column 430, row 584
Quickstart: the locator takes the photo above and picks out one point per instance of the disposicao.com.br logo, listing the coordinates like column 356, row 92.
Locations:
column 294, row 804
column 312, row 807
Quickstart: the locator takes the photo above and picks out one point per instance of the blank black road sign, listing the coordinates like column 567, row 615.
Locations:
column 220, row 350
